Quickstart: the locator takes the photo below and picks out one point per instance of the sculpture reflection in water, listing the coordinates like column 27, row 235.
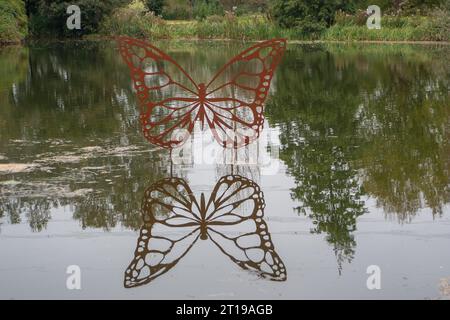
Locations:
column 232, row 218
column 231, row 103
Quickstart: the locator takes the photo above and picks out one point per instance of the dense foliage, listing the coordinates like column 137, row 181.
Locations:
column 342, row 122
column 205, row 8
column 316, row 15
column 345, row 20
column 307, row 15
column 155, row 6
column 48, row 17
column 13, row 21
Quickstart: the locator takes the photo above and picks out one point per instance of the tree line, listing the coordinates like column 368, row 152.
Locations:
column 45, row 18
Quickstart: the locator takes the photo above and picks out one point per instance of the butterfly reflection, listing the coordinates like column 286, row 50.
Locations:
column 175, row 219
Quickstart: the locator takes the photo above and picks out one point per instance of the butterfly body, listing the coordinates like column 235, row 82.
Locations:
column 203, row 221
column 202, row 93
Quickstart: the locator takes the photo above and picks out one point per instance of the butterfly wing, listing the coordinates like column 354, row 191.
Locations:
column 156, row 253
column 235, row 96
column 171, row 228
column 167, row 95
column 235, row 214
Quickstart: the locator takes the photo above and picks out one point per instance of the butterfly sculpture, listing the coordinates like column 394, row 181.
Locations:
column 174, row 220
column 231, row 103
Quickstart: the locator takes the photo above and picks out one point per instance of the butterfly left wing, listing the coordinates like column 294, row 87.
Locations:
column 158, row 250
column 235, row 96
column 170, row 230
column 235, row 214
column 167, row 95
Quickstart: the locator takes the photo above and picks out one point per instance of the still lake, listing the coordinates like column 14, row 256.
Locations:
column 355, row 172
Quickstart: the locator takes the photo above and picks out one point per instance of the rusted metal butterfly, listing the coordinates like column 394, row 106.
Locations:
column 231, row 104
column 174, row 219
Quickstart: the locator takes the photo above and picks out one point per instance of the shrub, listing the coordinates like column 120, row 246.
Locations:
column 311, row 15
column 437, row 28
column 134, row 22
column 177, row 13
column 13, row 21
column 433, row 27
column 359, row 18
column 242, row 28
column 205, row 8
column 177, row 9
column 215, row 19
column 48, row 17
column 155, row 6
column 309, row 27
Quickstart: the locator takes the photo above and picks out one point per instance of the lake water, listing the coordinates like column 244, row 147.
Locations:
column 353, row 166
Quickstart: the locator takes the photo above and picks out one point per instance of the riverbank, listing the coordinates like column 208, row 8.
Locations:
column 312, row 42
column 257, row 27
column 418, row 29
column 97, row 37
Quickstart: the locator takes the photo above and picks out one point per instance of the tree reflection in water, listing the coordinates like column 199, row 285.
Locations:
column 356, row 122
column 363, row 122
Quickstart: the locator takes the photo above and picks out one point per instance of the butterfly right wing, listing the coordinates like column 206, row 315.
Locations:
column 236, row 95
column 171, row 228
column 167, row 95
column 236, row 225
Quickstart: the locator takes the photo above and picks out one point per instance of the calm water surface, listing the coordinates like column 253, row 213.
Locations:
column 356, row 173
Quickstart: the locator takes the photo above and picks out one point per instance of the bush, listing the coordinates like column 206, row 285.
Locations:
column 250, row 7
column 177, row 9
column 433, row 27
column 177, row 13
column 155, row 6
column 48, row 17
column 242, row 28
column 205, row 8
column 345, row 19
column 13, row 21
column 314, row 15
column 437, row 28
column 214, row 19
column 135, row 23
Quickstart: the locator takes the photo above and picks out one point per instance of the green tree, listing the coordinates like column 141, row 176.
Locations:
column 92, row 104
column 363, row 122
column 13, row 21
column 48, row 17
column 307, row 16
column 406, row 128
column 401, row 6
column 156, row 6
column 205, row 8
column 318, row 143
